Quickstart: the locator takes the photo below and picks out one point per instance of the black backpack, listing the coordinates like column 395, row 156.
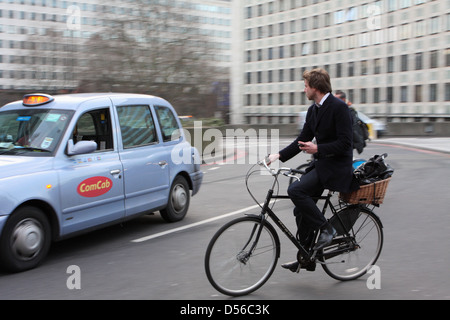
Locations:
column 360, row 132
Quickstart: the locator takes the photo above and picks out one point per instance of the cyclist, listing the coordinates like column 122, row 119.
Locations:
column 328, row 120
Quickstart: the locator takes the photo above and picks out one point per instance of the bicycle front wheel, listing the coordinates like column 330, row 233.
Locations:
column 352, row 254
column 242, row 256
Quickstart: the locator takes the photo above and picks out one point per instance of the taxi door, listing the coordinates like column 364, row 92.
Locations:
column 92, row 191
column 145, row 160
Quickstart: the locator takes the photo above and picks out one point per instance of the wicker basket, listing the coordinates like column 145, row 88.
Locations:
column 371, row 193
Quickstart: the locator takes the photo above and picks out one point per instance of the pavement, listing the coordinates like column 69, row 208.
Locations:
column 440, row 144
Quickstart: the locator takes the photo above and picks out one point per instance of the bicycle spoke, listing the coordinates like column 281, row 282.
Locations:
column 234, row 271
column 350, row 258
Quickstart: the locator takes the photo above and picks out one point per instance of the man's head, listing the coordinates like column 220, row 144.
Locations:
column 317, row 82
column 341, row 95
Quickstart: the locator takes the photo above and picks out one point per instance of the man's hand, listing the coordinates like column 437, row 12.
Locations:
column 273, row 157
column 308, row 147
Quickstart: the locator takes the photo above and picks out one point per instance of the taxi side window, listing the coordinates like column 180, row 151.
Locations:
column 95, row 126
column 137, row 126
column 168, row 123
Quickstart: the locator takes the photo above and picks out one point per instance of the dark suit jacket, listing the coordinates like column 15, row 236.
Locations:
column 332, row 128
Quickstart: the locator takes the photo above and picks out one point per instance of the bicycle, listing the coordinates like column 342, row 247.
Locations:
column 243, row 254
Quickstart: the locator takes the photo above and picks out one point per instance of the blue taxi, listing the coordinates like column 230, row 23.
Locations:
column 74, row 163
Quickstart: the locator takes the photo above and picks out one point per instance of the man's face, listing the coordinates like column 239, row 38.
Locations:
column 310, row 92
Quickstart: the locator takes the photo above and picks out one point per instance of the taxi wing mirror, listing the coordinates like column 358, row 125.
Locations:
column 81, row 147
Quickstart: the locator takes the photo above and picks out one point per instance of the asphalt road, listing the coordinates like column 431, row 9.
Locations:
column 149, row 259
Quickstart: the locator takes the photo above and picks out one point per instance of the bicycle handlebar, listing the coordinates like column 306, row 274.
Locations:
column 288, row 172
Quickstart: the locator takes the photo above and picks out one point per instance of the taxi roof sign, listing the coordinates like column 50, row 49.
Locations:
column 36, row 99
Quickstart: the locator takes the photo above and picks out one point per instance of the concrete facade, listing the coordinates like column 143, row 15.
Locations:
column 392, row 58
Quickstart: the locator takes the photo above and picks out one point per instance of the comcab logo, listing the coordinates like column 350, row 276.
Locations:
column 94, row 187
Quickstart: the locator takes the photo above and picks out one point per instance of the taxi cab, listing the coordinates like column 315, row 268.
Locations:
column 77, row 162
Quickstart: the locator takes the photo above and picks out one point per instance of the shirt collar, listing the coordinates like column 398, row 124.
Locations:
column 323, row 100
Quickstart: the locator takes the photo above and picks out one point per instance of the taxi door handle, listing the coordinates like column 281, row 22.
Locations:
column 162, row 163
column 114, row 172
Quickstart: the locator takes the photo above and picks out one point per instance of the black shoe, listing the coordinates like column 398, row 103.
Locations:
column 294, row 266
column 311, row 266
column 326, row 236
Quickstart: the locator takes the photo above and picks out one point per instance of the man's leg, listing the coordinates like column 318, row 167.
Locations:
column 302, row 193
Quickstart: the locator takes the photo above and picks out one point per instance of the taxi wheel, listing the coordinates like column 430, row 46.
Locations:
column 25, row 240
column 179, row 198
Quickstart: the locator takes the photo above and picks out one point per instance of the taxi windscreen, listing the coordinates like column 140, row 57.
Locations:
column 33, row 131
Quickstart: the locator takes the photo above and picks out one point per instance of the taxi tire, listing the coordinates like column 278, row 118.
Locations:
column 179, row 198
column 35, row 221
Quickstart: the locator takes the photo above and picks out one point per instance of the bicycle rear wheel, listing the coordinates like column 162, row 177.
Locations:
column 352, row 254
column 242, row 256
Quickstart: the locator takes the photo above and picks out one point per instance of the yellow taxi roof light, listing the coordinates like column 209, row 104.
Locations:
column 36, row 99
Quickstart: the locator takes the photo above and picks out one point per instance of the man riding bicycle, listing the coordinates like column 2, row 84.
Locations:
column 329, row 121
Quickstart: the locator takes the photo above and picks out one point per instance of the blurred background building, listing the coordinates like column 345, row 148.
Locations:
column 391, row 57
column 171, row 48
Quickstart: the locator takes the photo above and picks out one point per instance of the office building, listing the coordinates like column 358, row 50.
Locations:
column 391, row 57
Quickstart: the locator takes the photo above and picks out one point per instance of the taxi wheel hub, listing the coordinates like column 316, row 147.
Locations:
column 179, row 198
column 27, row 239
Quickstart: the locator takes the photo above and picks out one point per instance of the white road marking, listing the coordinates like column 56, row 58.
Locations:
column 192, row 225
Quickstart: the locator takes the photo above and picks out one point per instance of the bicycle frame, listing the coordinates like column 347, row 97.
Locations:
column 266, row 210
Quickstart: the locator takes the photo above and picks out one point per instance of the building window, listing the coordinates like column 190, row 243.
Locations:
column 377, row 66
column 351, row 69
column 292, row 74
column 418, row 93
column 433, row 92
column 404, row 62
column 434, row 59
column 404, row 94
column 364, row 67
column 419, row 59
column 390, row 64
column 339, row 70
column 363, row 96
column 376, row 95
column 390, row 94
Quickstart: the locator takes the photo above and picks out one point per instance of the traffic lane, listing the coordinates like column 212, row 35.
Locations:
column 112, row 268
column 97, row 253
column 412, row 263
column 416, row 223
